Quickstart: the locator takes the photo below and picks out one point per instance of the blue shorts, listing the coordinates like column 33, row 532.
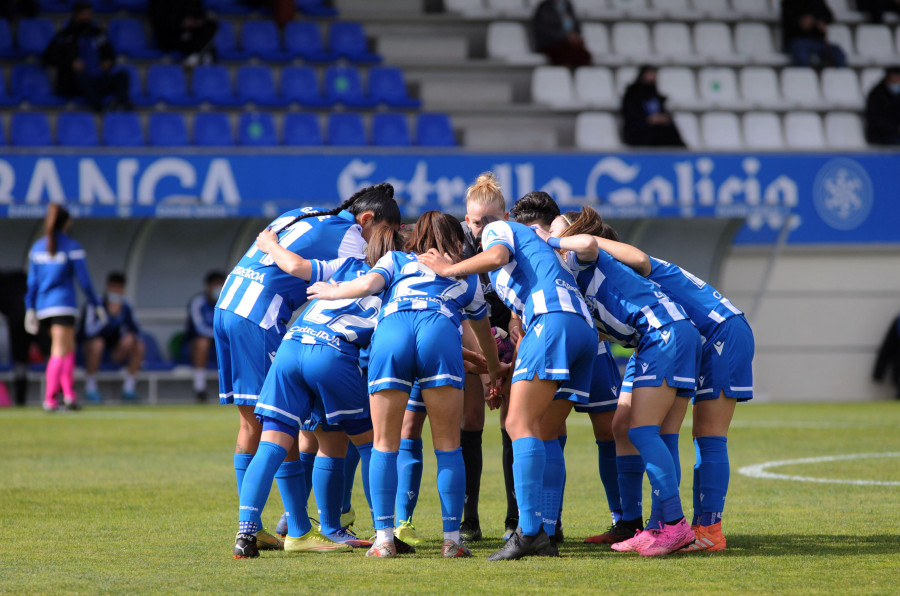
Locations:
column 313, row 383
column 559, row 346
column 245, row 352
column 605, row 382
column 726, row 362
column 416, row 403
column 671, row 353
column 410, row 345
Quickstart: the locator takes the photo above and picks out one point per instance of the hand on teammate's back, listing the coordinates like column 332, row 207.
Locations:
column 267, row 240
column 435, row 261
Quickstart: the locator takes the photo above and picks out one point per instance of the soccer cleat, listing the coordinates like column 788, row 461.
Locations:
column 638, row 542
column 558, row 537
column 51, row 405
column 265, row 540
column 281, row 527
column 345, row 536
column 552, row 550
column 72, row 405
column 618, row 532
column 200, row 397
column 245, row 547
column 384, row 549
column 451, row 549
column 670, row 539
column 519, row 546
column 510, row 524
column 406, row 532
column 470, row 530
column 403, row 548
column 313, row 542
column 708, row 538
column 93, row 396
column 348, row 518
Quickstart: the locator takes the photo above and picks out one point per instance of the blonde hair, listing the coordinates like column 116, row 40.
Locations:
column 486, row 191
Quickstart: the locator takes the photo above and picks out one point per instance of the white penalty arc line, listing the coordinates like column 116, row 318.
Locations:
column 760, row 470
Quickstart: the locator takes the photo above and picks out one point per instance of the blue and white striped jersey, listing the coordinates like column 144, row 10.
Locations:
column 346, row 325
column 259, row 291
column 625, row 305
column 413, row 286
column 706, row 307
column 51, row 278
column 535, row 281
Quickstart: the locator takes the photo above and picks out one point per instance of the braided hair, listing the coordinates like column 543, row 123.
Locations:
column 378, row 199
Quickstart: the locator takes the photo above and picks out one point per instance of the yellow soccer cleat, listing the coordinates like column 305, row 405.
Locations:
column 265, row 540
column 314, row 542
column 348, row 519
column 406, row 532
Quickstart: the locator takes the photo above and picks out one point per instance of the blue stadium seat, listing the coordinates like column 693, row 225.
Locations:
column 135, row 87
column 304, row 39
column 213, row 84
column 386, row 84
column 302, row 130
column 128, row 37
column 256, row 84
column 261, row 38
column 134, row 6
column 346, row 129
column 77, row 129
column 343, row 85
column 229, row 6
column 30, row 129
column 348, row 40
column 167, row 130
column 64, row 6
column 31, row 83
column 153, row 356
column 435, row 130
column 226, row 45
column 2, row 135
column 7, row 99
column 8, row 48
column 105, row 6
column 212, row 129
column 316, row 8
column 167, row 83
column 122, row 129
column 390, row 130
column 257, row 129
column 301, row 84
column 34, row 35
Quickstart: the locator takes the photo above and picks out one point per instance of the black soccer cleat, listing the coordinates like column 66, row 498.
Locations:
column 551, row 550
column 618, row 532
column 519, row 546
column 245, row 547
column 558, row 537
column 470, row 530
column 403, row 548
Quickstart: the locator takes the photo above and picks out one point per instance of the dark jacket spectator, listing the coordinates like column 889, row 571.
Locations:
column 557, row 33
column 11, row 9
column 804, row 34
column 889, row 356
column 876, row 8
column 183, row 26
column 883, row 110
column 647, row 123
column 84, row 61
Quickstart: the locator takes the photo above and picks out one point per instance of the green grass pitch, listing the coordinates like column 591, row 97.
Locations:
column 142, row 500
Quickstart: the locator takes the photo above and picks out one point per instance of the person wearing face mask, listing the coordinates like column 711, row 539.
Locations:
column 557, row 33
column 116, row 340
column 647, row 122
column 883, row 110
column 198, row 335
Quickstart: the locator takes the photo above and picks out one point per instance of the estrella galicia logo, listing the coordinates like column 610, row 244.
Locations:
column 842, row 194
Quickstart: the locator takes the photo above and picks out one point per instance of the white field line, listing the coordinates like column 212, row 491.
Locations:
column 760, row 470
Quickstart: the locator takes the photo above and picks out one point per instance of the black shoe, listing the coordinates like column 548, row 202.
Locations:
column 470, row 530
column 618, row 532
column 201, row 397
column 558, row 537
column 403, row 548
column 72, row 406
column 519, row 546
column 510, row 524
column 551, row 550
column 245, row 547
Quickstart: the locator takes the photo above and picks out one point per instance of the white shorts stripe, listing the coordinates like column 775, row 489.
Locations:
column 557, row 370
column 229, row 296
column 57, row 311
column 280, row 411
column 684, row 379
column 702, row 391
column 248, row 300
column 601, row 403
column 226, row 395
column 341, row 412
column 521, row 370
column 574, row 392
column 741, row 388
column 417, row 403
column 645, row 378
column 246, row 396
column 389, row 379
column 434, row 378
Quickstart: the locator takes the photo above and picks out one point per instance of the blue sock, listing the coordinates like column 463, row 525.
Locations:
column 554, row 480
column 291, row 479
column 365, row 456
column 308, row 460
column 671, row 441
column 660, row 467
column 241, row 462
column 606, row 456
column 714, row 472
column 563, row 439
column 350, row 464
column 328, row 485
column 631, row 485
column 656, row 518
column 698, row 502
column 258, row 482
column 451, row 485
column 409, row 476
column 528, row 474
column 383, row 479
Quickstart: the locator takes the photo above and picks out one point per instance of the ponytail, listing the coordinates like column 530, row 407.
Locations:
column 55, row 221
column 378, row 199
column 440, row 231
column 586, row 222
column 383, row 240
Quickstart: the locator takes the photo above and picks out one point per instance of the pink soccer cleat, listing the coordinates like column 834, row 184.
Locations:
column 640, row 541
column 670, row 539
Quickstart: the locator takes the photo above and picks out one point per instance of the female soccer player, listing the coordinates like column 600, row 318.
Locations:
column 419, row 337
column 258, row 300
column 54, row 262
column 315, row 376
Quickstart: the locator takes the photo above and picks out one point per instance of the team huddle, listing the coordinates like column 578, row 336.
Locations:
column 511, row 310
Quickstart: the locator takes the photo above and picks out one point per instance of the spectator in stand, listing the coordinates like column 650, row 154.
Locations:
column 84, row 60
column 557, row 33
column 13, row 287
column 183, row 26
column 883, row 110
column 876, row 8
column 804, row 30
column 198, row 337
column 116, row 340
column 10, row 9
column 647, row 122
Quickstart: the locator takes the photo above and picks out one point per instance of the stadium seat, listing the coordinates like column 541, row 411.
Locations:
column 316, row 8
column 133, row 6
column 552, row 86
column 348, row 40
column 434, row 130
column 597, row 131
column 128, row 37
column 716, row 10
column 387, row 85
column 468, row 8
column 304, row 39
column 753, row 9
column 800, row 87
column 301, row 84
column 629, row 8
column 212, row 129
column 256, row 84
column 153, row 356
column 508, row 8
column 122, row 129
column 135, row 85
column 167, row 130
column 843, row 13
column 718, row 87
column 840, row 87
column 346, row 129
column 594, row 87
column 213, row 84
column 624, row 77
column 32, row 84
column 875, row 44
column 262, row 40
column 868, row 78
column 77, row 129
column 803, row 130
column 596, row 39
column 7, row 99
column 754, row 44
column 713, row 41
column 840, row 34
column 343, row 85
column 720, row 130
column 29, row 129
column 632, row 41
column 390, row 130
column 844, row 130
column 34, row 35
column 509, row 42
column 256, row 129
column 677, row 82
column 302, row 130
column 58, row 6
column 8, row 47
column 759, row 87
column 168, row 84
column 226, row 44
column 762, row 130
column 232, row 7
column 673, row 44
column 689, row 128
column 675, row 10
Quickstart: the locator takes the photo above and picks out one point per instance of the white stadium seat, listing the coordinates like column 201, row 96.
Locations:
column 552, row 86
column 509, row 42
column 757, row 9
column 594, row 9
column 800, row 87
column 840, row 88
column 677, row 83
column 631, row 40
column 716, row 10
column 840, row 35
column 594, row 87
column 597, row 131
column 759, row 86
column 469, row 8
column 596, row 39
column 674, row 9
column 843, row 12
column 844, row 130
column 754, row 43
column 713, row 41
column 508, row 8
column 869, row 78
column 689, row 128
column 629, row 8
column 875, row 44
column 762, row 130
column 720, row 130
column 803, row 130
column 718, row 87
column 673, row 44
column 624, row 77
